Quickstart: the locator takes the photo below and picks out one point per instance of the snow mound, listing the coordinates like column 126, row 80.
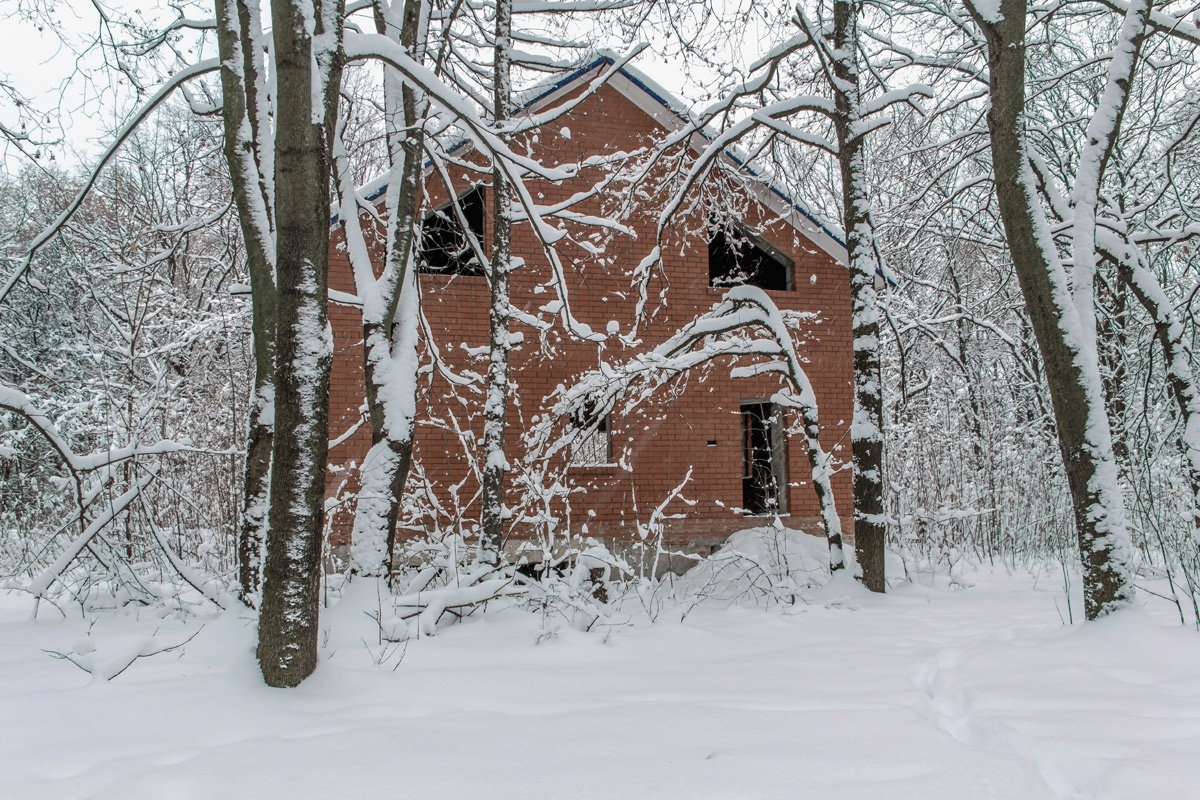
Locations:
column 760, row 565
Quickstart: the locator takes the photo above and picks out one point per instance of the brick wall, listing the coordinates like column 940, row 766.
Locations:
column 694, row 423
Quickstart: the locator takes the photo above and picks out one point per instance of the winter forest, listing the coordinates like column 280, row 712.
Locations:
column 997, row 590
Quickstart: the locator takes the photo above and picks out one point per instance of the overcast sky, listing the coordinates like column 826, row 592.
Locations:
column 35, row 62
column 83, row 108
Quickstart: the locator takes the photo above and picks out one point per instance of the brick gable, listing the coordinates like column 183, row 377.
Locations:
column 696, row 423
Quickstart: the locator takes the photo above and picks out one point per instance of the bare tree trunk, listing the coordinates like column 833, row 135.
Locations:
column 1069, row 357
column 238, row 29
column 256, row 485
column 495, row 465
column 307, row 38
column 390, row 318
column 866, row 433
column 822, row 472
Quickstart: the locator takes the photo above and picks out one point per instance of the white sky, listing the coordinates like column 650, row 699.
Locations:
column 36, row 64
column 83, row 106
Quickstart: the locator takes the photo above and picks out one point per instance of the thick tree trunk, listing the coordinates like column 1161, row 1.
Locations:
column 237, row 28
column 1069, row 358
column 495, row 463
column 307, row 62
column 866, row 432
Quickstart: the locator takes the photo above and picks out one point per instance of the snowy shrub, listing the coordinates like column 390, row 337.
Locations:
column 759, row 566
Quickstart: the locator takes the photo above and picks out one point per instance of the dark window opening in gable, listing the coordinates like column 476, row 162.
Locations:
column 743, row 257
column 445, row 248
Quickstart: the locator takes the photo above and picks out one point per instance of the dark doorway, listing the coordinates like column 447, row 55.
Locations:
column 764, row 467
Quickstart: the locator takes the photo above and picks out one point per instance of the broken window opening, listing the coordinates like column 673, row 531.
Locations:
column 445, row 248
column 593, row 444
column 764, row 459
column 743, row 257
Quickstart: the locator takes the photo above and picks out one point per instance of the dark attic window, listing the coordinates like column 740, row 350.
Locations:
column 445, row 249
column 741, row 256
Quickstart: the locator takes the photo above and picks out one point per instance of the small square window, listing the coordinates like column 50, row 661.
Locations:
column 593, row 443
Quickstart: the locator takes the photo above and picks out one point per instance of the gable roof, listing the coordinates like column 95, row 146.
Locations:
column 673, row 114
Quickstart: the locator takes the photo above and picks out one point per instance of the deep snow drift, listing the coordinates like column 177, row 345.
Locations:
column 929, row 692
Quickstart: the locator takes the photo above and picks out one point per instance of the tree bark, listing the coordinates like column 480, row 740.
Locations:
column 1070, row 364
column 495, row 463
column 866, row 433
column 390, row 325
column 307, row 39
column 237, row 24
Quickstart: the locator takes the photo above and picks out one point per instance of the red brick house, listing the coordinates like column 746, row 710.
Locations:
column 745, row 469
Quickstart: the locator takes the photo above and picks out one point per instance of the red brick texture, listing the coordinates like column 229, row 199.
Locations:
column 659, row 441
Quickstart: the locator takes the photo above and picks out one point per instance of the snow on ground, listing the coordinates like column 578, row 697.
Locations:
column 977, row 692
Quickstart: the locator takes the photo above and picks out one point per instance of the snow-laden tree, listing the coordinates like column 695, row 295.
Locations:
column 389, row 302
column 495, row 414
column 427, row 115
column 1061, row 305
column 852, row 120
column 805, row 92
column 281, row 94
column 122, row 360
column 745, row 325
column 246, row 114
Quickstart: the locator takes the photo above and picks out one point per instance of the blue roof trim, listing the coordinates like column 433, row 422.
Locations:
column 637, row 81
column 571, row 78
column 375, row 195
